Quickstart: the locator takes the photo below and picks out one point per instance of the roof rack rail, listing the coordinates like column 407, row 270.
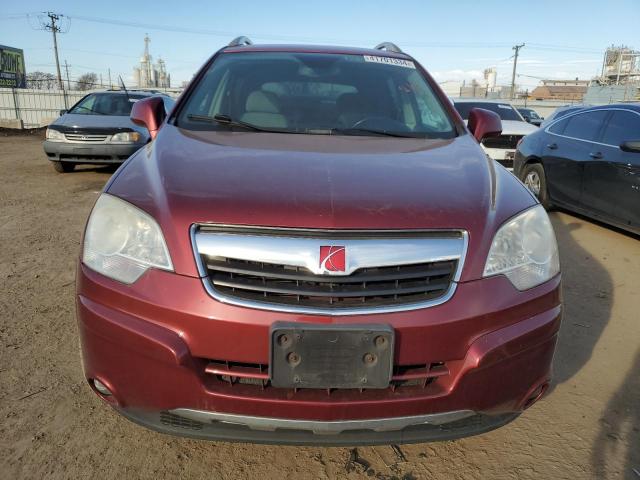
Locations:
column 240, row 41
column 389, row 47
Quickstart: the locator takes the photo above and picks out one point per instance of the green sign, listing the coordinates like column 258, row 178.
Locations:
column 12, row 72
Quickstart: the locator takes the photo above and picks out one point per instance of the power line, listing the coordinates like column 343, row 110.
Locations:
column 226, row 33
column 560, row 48
column 266, row 36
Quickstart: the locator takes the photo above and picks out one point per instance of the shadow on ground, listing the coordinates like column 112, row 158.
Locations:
column 588, row 297
column 620, row 428
column 106, row 169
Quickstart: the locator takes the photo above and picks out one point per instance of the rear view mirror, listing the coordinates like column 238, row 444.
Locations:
column 62, row 112
column 484, row 124
column 149, row 113
column 631, row 146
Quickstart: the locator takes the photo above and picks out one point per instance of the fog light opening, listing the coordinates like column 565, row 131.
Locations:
column 537, row 394
column 101, row 388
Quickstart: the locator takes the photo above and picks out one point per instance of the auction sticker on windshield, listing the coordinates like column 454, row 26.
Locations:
column 389, row 61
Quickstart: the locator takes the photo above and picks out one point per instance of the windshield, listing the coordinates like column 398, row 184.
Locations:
column 106, row 104
column 528, row 112
column 316, row 94
column 505, row 110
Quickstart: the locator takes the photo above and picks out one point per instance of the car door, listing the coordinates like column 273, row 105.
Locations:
column 611, row 186
column 569, row 142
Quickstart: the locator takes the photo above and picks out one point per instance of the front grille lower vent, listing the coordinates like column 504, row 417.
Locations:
column 257, row 375
column 173, row 420
column 503, row 141
column 366, row 287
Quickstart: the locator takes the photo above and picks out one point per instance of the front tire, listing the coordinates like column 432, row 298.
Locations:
column 535, row 180
column 63, row 167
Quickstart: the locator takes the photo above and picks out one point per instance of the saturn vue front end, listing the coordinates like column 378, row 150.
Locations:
column 314, row 249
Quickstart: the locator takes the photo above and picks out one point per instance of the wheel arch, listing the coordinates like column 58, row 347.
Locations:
column 535, row 160
column 530, row 160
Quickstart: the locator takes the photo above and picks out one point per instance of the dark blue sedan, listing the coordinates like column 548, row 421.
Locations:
column 589, row 162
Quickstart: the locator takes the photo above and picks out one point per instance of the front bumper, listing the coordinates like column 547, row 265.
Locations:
column 97, row 153
column 149, row 344
column 175, row 423
column 503, row 156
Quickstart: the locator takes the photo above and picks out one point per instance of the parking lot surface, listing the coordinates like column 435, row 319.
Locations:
column 53, row 426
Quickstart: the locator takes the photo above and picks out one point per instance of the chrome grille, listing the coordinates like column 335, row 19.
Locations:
column 291, row 285
column 286, row 269
column 84, row 137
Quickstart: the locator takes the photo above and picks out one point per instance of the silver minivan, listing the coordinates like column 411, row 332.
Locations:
column 98, row 130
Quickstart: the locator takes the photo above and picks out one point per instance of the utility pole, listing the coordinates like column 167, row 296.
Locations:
column 109, row 71
column 513, row 76
column 54, row 17
column 66, row 67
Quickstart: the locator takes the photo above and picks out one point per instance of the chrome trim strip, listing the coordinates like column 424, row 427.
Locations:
column 320, row 427
column 304, row 252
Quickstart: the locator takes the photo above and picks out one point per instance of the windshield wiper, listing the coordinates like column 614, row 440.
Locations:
column 228, row 121
column 383, row 133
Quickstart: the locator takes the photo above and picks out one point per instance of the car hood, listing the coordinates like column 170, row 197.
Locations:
column 103, row 122
column 515, row 127
column 316, row 181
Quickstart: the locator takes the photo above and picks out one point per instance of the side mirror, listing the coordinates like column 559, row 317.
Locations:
column 149, row 113
column 632, row 146
column 63, row 111
column 527, row 119
column 484, row 123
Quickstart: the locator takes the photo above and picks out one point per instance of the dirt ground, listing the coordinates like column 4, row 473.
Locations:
column 53, row 426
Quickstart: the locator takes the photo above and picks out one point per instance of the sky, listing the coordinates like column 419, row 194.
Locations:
column 454, row 40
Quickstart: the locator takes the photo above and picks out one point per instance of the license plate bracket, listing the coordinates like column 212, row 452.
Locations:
column 331, row 356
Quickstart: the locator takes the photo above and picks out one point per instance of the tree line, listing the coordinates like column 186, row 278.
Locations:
column 48, row 81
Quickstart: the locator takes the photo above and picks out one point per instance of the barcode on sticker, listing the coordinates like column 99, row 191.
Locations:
column 398, row 62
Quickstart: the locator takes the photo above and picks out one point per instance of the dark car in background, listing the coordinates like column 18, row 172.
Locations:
column 531, row 116
column 561, row 112
column 587, row 161
column 98, row 130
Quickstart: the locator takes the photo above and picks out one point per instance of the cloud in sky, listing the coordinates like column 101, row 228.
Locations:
column 584, row 68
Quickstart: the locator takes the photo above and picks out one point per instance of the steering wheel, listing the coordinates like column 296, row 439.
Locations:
column 381, row 123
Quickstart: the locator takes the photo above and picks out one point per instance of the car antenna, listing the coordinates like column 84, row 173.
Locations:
column 124, row 88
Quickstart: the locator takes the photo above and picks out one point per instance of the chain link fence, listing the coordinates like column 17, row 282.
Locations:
column 38, row 107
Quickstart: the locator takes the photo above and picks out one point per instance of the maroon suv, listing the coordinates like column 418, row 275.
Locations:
column 314, row 249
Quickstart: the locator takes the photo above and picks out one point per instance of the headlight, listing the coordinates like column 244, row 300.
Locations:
column 54, row 135
column 126, row 137
column 525, row 250
column 122, row 242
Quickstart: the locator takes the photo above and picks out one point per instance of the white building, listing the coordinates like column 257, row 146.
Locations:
column 148, row 75
column 490, row 78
